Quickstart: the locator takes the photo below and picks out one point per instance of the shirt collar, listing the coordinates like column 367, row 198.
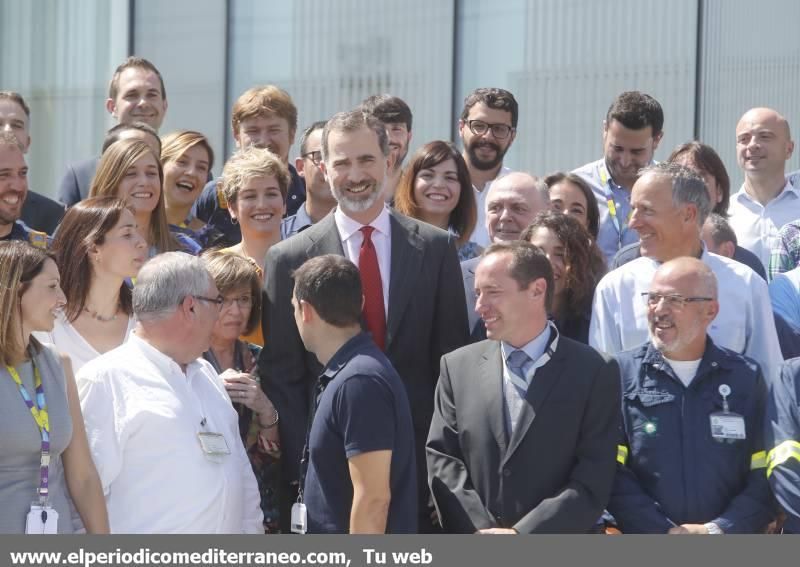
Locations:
column 344, row 354
column 163, row 363
column 348, row 227
column 534, row 349
column 301, row 217
column 788, row 188
column 502, row 173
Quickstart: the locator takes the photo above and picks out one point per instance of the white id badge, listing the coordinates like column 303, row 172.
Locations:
column 727, row 427
column 213, row 443
column 41, row 520
column 299, row 518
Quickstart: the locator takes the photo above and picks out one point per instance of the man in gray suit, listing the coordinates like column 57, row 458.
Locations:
column 414, row 299
column 511, row 204
column 523, row 436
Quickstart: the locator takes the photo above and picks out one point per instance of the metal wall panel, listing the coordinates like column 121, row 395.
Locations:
column 566, row 60
column 751, row 57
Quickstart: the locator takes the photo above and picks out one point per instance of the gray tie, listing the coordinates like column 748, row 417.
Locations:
column 518, row 362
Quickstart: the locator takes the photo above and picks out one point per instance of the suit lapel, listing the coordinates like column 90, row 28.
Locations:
column 406, row 265
column 543, row 382
column 324, row 238
column 490, row 371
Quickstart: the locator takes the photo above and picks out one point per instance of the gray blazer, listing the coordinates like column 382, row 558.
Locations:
column 77, row 181
column 553, row 474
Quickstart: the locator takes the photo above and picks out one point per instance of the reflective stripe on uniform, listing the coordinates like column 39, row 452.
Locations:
column 622, row 454
column 758, row 460
column 781, row 454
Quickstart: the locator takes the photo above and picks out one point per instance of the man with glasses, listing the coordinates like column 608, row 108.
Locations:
column 691, row 457
column 488, row 126
column 319, row 199
column 159, row 420
column 631, row 133
column 669, row 204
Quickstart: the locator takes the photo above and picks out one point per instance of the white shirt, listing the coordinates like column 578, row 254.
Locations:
column 69, row 341
column 142, row 417
column 352, row 237
column 480, row 234
column 685, row 370
column 744, row 323
column 756, row 226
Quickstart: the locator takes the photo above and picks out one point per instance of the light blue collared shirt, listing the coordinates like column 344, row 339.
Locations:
column 511, row 395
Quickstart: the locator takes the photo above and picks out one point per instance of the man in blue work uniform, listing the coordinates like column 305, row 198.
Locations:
column 13, row 191
column 691, row 458
column 783, row 443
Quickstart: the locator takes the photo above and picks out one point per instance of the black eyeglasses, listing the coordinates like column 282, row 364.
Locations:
column 499, row 131
column 315, row 157
column 218, row 301
column 674, row 301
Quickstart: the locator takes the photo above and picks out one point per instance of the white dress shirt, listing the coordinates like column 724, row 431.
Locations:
column 757, row 226
column 69, row 341
column 352, row 237
column 480, row 234
column 143, row 416
column 744, row 323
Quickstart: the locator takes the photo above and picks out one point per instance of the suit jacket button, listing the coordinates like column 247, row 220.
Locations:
column 506, row 473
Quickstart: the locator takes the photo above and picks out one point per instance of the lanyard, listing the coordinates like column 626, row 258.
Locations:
column 541, row 361
column 621, row 226
column 42, row 419
column 319, row 388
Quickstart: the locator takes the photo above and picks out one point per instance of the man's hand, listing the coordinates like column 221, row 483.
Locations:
column 497, row 531
column 689, row 529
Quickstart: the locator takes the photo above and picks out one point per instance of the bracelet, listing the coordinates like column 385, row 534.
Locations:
column 274, row 422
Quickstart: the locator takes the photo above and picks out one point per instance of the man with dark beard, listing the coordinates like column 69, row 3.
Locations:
column 488, row 126
column 414, row 304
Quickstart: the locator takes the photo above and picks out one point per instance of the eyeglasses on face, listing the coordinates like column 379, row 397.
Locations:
column 218, row 301
column 674, row 301
column 499, row 131
column 315, row 157
column 244, row 302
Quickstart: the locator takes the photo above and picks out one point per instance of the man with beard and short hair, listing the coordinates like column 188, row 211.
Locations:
column 680, row 386
column 13, row 191
column 319, row 199
column 396, row 117
column 136, row 93
column 265, row 117
column 631, row 133
column 38, row 211
column 511, row 203
column 488, row 126
column 669, row 204
column 414, row 300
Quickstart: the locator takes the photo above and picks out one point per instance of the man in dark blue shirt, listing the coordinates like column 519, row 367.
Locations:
column 358, row 469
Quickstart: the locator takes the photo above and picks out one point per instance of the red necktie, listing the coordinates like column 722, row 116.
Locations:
column 374, row 313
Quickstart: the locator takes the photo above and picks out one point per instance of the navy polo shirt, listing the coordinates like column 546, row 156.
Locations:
column 363, row 408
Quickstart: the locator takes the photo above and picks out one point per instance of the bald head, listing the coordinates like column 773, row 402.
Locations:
column 690, row 273
column 763, row 143
column 511, row 204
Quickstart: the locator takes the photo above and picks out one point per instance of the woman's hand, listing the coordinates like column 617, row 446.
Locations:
column 243, row 388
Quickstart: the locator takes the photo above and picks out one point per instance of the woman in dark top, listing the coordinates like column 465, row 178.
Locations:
column 571, row 252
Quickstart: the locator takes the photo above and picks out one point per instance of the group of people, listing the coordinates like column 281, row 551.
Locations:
column 354, row 344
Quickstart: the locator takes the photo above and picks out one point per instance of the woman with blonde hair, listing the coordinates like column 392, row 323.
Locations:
column 187, row 159
column 130, row 170
column 44, row 454
column 97, row 249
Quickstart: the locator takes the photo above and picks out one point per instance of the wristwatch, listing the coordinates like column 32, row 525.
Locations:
column 713, row 529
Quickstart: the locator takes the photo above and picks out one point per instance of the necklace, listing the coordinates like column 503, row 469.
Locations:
column 96, row 315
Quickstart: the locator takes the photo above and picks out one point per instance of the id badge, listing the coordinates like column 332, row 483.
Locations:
column 213, row 444
column 41, row 520
column 727, row 427
column 299, row 518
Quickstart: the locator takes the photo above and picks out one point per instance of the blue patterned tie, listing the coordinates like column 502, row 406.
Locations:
column 518, row 362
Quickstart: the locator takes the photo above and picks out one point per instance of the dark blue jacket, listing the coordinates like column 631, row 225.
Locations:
column 212, row 209
column 670, row 471
column 782, row 440
column 21, row 231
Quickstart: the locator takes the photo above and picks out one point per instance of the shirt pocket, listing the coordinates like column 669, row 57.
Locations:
column 651, row 415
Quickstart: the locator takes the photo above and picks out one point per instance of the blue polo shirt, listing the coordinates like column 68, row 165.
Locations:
column 363, row 408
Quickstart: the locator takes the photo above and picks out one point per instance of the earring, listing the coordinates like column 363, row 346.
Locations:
column 234, row 220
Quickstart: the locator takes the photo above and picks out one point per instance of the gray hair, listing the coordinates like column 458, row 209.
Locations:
column 687, row 187
column 720, row 230
column 165, row 281
column 351, row 121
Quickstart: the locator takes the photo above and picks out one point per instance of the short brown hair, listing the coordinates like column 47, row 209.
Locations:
column 16, row 97
column 110, row 172
column 19, row 264
column 528, row 264
column 249, row 163
column 331, row 284
column 85, row 225
column 264, row 100
column 499, row 99
column 232, row 271
column 135, row 63
column 464, row 216
column 704, row 157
